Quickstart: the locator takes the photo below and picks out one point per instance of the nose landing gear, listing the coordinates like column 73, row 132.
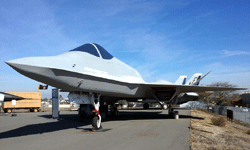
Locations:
column 95, row 100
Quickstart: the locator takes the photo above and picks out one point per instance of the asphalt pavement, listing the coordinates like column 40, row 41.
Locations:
column 133, row 129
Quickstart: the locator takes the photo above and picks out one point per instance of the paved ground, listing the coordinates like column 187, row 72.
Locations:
column 138, row 129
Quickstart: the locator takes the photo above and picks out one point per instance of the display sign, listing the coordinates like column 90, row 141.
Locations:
column 14, row 102
column 54, row 93
column 55, row 103
column 1, row 97
column 43, row 87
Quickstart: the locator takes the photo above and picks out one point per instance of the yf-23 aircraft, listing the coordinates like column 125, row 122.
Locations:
column 93, row 75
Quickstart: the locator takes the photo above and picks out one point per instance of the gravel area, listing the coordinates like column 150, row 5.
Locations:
column 205, row 135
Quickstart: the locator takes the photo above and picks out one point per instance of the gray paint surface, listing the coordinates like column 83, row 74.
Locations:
column 151, row 129
column 81, row 71
column 69, row 81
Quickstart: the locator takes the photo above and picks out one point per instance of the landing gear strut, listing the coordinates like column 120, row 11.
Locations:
column 114, row 111
column 170, row 110
column 95, row 100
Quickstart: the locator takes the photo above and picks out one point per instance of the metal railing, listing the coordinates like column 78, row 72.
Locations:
column 239, row 113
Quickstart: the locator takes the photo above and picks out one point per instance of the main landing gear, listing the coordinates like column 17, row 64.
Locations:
column 172, row 113
column 96, row 122
column 114, row 111
column 170, row 110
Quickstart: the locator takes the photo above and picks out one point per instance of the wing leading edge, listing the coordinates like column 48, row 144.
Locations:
column 168, row 92
column 186, row 88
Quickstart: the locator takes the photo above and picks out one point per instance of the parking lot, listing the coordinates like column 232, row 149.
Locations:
column 133, row 129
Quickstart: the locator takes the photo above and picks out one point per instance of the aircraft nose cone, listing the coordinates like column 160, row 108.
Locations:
column 23, row 65
column 16, row 63
column 20, row 61
column 31, row 67
column 10, row 63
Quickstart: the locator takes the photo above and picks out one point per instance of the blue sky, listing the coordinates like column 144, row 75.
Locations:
column 161, row 39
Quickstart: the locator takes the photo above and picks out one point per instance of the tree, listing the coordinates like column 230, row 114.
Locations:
column 224, row 98
column 44, row 99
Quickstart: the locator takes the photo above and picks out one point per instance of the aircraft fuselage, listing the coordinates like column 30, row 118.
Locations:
column 81, row 71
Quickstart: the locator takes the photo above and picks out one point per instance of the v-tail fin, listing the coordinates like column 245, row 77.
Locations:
column 181, row 80
column 193, row 80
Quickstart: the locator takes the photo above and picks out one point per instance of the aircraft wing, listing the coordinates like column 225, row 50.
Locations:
column 187, row 88
column 168, row 92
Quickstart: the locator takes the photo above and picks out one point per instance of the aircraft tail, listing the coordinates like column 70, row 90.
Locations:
column 196, row 78
column 193, row 79
column 181, row 80
column 198, row 81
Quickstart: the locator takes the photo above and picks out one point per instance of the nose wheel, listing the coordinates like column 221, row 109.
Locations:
column 96, row 122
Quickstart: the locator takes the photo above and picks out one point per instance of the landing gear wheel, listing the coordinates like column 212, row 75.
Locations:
column 145, row 106
column 9, row 110
column 96, row 123
column 114, row 112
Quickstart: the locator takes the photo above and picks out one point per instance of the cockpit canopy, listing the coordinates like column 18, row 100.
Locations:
column 94, row 49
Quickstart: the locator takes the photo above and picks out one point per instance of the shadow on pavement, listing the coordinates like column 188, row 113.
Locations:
column 65, row 122
column 68, row 121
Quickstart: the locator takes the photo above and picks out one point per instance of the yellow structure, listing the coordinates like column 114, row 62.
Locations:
column 32, row 102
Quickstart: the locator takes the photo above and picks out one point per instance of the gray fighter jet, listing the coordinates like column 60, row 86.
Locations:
column 94, row 76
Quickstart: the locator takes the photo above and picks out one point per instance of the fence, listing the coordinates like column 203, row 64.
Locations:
column 242, row 114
